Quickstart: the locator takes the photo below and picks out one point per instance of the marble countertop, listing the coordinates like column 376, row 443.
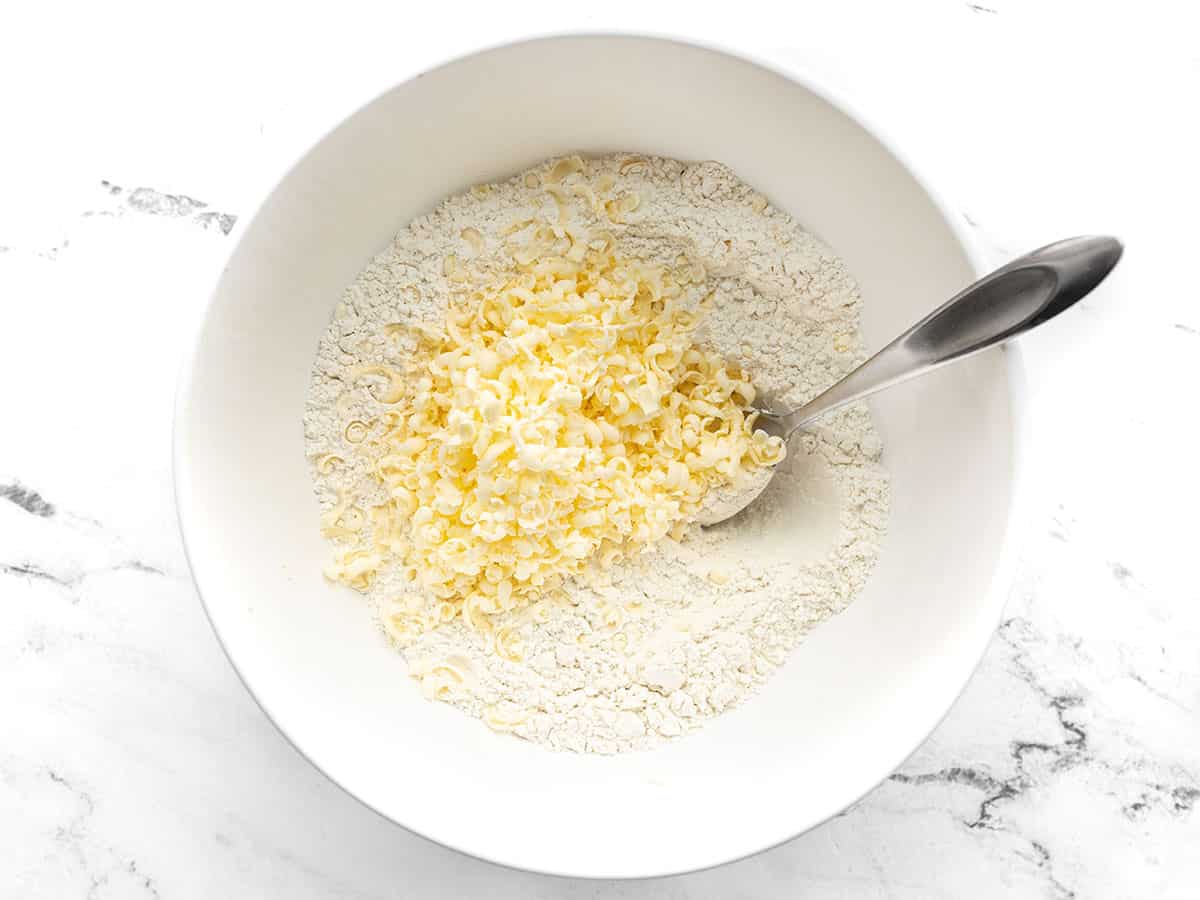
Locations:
column 132, row 761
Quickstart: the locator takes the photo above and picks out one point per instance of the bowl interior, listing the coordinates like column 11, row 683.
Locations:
column 858, row 696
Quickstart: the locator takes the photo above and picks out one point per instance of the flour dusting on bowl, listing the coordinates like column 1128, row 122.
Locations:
column 651, row 625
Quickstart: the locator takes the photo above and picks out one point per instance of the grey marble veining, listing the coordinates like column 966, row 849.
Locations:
column 133, row 763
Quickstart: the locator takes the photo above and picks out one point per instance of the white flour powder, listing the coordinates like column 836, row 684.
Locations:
column 689, row 629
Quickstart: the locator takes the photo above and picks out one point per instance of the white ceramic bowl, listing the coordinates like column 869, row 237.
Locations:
column 852, row 702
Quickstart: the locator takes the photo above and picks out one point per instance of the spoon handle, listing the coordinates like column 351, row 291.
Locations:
column 1010, row 301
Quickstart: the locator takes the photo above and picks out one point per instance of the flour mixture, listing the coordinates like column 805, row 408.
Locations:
column 522, row 405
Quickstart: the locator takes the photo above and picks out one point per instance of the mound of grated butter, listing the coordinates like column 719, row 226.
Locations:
column 557, row 420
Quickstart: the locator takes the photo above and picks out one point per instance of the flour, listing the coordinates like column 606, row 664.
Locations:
column 691, row 628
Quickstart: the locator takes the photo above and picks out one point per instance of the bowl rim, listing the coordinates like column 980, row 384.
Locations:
column 1016, row 379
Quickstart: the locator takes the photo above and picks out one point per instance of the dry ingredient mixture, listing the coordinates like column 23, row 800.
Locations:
column 613, row 317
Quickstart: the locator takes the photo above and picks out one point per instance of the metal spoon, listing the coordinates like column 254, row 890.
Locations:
column 1012, row 300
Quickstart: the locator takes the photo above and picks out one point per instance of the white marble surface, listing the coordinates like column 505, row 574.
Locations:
column 133, row 763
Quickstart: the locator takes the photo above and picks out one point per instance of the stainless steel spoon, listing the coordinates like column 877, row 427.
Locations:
column 1012, row 300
